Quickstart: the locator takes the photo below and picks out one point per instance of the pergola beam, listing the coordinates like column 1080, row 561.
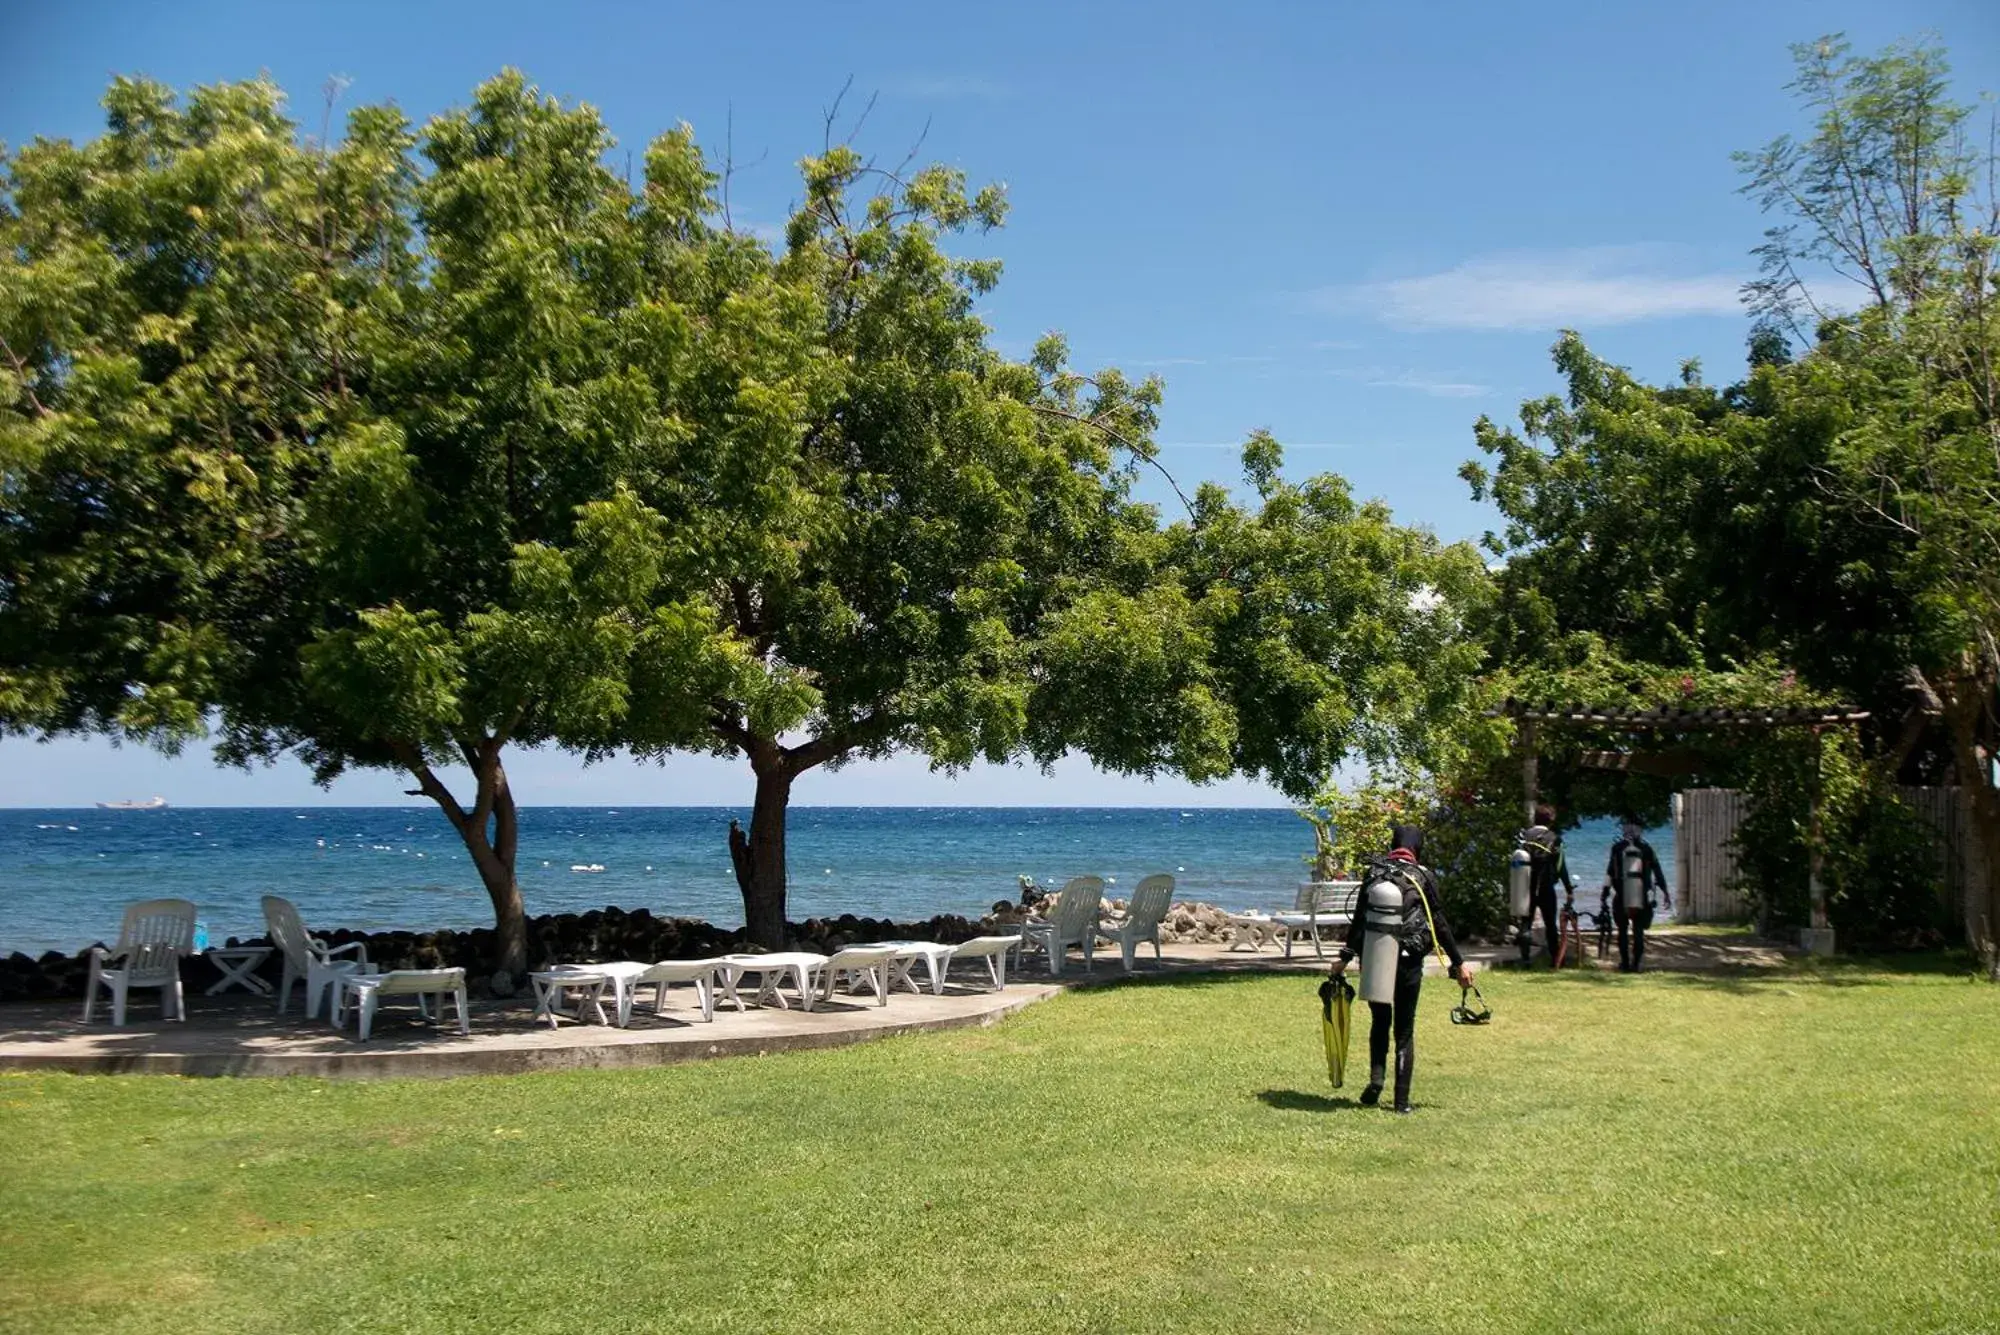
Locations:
column 1665, row 718
column 1817, row 938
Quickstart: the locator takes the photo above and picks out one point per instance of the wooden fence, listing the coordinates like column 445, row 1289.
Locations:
column 1705, row 823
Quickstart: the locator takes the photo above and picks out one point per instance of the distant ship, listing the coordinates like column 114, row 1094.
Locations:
column 157, row 804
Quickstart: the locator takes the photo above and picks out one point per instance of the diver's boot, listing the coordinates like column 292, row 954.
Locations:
column 1373, row 1093
column 1406, row 1066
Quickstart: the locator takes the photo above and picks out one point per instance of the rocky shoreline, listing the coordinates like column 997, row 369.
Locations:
column 610, row 933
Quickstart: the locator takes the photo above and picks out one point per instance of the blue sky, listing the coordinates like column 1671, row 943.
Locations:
column 1357, row 226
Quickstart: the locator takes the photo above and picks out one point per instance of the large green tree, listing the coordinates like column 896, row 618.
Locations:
column 943, row 555
column 1836, row 511
column 336, row 441
column 403, row 452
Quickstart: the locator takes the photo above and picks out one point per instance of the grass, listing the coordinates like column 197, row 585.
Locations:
column 1816, row 1149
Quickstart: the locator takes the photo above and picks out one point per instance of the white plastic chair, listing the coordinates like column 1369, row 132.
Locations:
column 1142, row 918
column 993, row 950
column 1321, row 905
column 308, row 959
column 367, row 991
column 1074, row 923
column 151, row 941
column 869, row 962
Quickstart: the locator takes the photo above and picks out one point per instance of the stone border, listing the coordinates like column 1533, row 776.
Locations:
column 445, row 1058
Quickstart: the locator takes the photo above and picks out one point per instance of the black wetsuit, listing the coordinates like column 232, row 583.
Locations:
column 1401, row 1015
column 1632, row 950
column 1548, row 866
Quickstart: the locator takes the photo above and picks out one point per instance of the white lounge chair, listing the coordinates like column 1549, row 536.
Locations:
column 1142, row 918
column 773, row 970
column 699, row 972
column 308, row 959
column 993, row 950
column 155, row 935
column 1074, row 924
column 366, row 991
column 869, row 962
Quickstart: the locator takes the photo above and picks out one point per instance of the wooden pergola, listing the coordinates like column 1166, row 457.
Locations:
column 1678, row 719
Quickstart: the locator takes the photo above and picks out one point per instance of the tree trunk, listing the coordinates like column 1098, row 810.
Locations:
column 1966, row 709
column 491, row 833
column 760, row 858
column 495, row 861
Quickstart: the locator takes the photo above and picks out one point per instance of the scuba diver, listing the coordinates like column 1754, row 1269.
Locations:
column 1630, row 876
column 1396, row 923
column 1547, row 865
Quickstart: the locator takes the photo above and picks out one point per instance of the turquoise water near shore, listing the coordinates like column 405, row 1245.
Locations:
column 65, row 875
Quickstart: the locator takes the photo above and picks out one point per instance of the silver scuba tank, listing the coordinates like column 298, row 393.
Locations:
column 1632, row 879
column 1382, row 901
column 1520, row 883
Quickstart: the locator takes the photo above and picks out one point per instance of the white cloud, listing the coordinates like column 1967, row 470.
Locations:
column 955, row 85
column 1587, row 287
column 1423, row 382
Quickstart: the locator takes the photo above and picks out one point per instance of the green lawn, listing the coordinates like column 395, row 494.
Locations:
column 1819, row 1150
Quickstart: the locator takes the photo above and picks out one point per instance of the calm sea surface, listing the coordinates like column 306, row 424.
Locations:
column 65, row 875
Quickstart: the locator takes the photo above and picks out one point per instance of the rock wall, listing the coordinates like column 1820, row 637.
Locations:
column 604, row 934
column 585, row 938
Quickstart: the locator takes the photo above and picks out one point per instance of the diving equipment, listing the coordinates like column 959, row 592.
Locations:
column 1520, row 883
column 1632, row 880
column 1336, row 998
column 1382, row 901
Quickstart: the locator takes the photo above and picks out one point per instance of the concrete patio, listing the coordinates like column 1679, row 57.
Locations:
column 238, row 1034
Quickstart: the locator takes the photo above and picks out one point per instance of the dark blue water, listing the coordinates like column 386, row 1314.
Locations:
column 66, row 875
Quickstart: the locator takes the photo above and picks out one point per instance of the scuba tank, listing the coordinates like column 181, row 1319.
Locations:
column 1382, row 901
column 1520, row 883
column 1632, row 880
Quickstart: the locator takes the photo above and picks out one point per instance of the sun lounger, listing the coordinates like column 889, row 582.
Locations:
column 991, row 949
column 856, row 963
column 582, row 984
column 773, row 970
column 702, row 973
column 365, row 992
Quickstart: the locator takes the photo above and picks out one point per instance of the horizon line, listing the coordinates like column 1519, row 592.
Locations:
column 666, row 806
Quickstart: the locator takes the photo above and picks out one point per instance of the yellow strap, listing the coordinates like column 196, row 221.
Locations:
column 1425, row 900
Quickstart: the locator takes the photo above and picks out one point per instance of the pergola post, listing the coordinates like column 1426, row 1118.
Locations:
column 1817, row 938
column 1530, row 767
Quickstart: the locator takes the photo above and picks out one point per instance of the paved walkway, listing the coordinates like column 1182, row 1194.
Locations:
column 237, row 1034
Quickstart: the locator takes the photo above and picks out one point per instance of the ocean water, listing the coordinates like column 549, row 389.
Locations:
column 66, row 875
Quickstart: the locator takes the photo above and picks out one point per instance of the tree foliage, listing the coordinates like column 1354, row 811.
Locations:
column 401, row 451
column 1834, row 513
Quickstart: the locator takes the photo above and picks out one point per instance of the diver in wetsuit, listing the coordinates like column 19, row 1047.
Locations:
column 1406, row 923
column 1548, row 865
column 1632, row 955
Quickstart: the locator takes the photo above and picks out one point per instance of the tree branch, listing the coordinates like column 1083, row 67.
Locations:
column 1137, row 451
column 724, row 724
column 27, row 386
column 428, row 783
column 827, row 746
